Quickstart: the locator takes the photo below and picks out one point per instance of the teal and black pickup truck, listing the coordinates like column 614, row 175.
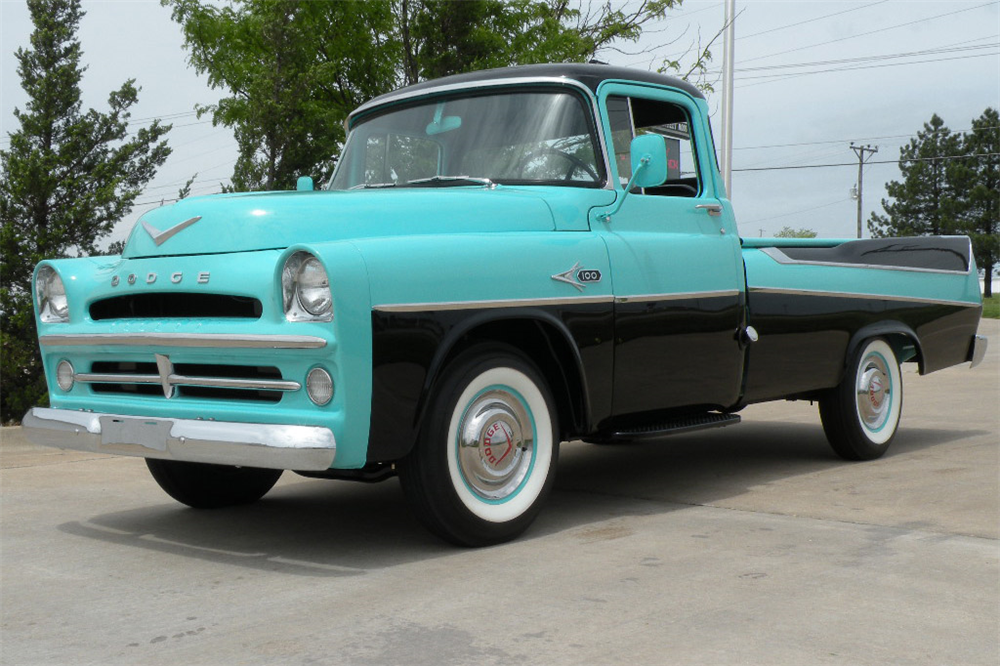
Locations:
column 502, row 261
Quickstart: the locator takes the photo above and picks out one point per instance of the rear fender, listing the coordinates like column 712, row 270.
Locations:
column 904, row 341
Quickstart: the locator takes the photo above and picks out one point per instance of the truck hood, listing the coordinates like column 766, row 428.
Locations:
column 270, row 220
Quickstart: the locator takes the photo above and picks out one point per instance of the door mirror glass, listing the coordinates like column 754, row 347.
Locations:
column 650, row 151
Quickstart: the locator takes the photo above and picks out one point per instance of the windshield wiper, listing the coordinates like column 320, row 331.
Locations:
column 372, row 186
column 451, row 180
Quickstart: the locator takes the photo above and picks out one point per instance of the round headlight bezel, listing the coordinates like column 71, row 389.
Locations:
column 312, row 288
column 53, row 303
column 305, row 287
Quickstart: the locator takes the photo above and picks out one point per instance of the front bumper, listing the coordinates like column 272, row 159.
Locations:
column 265, row 445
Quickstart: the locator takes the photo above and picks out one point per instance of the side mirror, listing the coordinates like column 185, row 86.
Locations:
column 649, row 168
column 304, row 184
column 649, row 161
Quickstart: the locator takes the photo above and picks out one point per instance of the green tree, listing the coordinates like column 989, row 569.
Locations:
column 977, row 183
column 295, row 70
column 922, row 200
column 788, row 232
column 67, row 177
column 951, row 185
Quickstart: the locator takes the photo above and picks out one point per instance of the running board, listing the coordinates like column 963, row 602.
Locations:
column 673, row 427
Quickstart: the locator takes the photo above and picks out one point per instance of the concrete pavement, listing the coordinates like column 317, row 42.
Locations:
column 747, row 545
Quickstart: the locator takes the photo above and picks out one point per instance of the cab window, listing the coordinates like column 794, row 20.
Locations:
column 633, row 116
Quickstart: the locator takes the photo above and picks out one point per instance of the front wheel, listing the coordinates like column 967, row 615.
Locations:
column 204, row 486
column 861, row 415
column 486, row 455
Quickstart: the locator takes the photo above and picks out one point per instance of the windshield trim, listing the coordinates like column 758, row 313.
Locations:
column 407, row 96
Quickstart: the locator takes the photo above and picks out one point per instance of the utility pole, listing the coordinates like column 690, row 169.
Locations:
column 860, row 152
column 727, row 98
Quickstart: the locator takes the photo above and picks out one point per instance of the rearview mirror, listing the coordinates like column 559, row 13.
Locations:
column 443, row 123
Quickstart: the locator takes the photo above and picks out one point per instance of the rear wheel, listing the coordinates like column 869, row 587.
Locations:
column 204, row 486
column 861, row 415
column 486, row 456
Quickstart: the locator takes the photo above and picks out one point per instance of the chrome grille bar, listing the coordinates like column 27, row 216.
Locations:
column 202, row 340
column 182, row 380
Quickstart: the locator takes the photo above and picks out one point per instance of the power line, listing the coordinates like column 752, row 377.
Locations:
column 867, row 138
column 850, row 164
column 872, row 58
column 872, row 32
column 782, row 77
column 813, row 20
column 797, row 212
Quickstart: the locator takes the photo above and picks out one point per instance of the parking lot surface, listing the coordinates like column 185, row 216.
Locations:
column 752, row 544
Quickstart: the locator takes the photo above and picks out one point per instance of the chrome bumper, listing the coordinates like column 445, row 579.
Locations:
column 977, row 350
column 245, row 444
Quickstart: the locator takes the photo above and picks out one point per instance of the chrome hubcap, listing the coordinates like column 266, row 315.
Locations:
column 496, row 444
column 874, row 390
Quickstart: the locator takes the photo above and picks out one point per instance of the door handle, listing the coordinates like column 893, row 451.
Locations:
column 715, row 210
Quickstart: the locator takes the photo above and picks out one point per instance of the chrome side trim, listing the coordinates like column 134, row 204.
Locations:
column 183, row 380
column 777, row 255
column 680, row 296
column 845, row 294
column 495, row 83
column 267, row 445
column 506, row 303
column 201, row 340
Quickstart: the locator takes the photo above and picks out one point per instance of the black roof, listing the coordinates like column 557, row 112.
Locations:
column 590, row 75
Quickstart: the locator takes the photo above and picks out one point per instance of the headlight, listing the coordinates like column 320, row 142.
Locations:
column 305, row 289
column 53, row 306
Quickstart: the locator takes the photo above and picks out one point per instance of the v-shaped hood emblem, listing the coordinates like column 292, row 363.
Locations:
column 160, row 237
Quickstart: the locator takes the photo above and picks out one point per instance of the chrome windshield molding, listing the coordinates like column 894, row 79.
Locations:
column 182, row 380
column 199, row 340
column 777, row 255
column 405, row 95
column 272, row 446
column 480, row 305
column 680, row 296
column 846, row 294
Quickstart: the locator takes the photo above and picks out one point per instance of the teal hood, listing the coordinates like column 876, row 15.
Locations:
column 269, row 220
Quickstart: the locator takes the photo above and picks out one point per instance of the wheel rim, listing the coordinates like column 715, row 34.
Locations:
column 496, row 444
column 874, row 392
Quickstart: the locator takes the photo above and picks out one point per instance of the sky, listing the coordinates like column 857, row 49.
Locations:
column 810, row 78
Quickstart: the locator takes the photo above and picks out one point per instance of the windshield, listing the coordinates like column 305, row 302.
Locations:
column 537, row 137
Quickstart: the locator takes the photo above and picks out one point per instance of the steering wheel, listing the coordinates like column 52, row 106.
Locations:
column 575, row 162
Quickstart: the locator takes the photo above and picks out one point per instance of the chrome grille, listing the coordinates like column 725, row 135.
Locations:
column 163, row 378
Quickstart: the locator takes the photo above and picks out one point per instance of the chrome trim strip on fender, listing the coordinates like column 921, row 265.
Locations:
column 680, row 296
column 777, row 255
column 477, row 305
column 843, row 294
column 200, row 340
column 273, row 446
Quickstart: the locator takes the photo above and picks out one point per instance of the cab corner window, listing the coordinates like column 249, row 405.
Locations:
column 632, row 116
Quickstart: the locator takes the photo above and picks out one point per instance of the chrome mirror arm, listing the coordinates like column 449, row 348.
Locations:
column 606, row 216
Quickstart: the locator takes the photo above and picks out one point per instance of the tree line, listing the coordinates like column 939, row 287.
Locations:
column 950, row 186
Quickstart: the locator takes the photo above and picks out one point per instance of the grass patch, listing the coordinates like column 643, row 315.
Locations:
column 991, row 307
